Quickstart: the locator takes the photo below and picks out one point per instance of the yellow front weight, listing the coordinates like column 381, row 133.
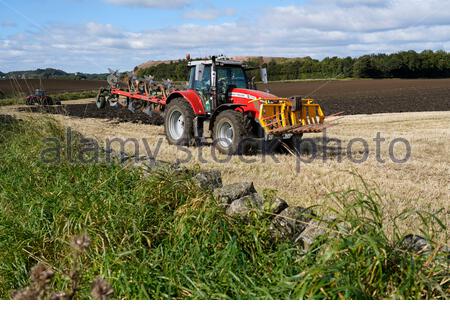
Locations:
column 278, row 116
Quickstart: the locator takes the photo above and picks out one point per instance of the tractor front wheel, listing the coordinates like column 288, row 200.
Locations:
column 179, row 122
column 229, row 132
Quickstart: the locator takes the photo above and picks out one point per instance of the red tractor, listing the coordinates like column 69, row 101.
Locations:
column 39, row 97
column 221, row 94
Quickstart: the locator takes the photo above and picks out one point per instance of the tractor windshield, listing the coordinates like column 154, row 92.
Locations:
column 231, row 77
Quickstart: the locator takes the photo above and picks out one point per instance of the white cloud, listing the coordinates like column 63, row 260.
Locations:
column 353, row 3
column 151, row 3
column 364, row 16
column 318, row 28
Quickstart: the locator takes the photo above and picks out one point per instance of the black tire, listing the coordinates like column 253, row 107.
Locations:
column 235, row 121
column 101, row 102
column 184, row 136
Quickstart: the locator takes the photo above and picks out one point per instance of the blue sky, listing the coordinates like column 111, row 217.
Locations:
column 91, row 35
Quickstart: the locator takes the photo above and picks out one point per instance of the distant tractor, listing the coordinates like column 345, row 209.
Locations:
column 221, row 94
column 39, row 97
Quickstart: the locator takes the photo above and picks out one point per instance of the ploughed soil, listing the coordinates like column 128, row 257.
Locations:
column 348, row 96
column 91, row 111
column 371, row 96
column 27, row 86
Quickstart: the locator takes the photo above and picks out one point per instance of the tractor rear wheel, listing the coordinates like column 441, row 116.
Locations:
column 46, row 101
column 229, row 132
column 179, row 122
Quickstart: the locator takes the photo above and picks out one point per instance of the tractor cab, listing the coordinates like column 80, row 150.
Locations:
column 39, row 93
column 213, row 79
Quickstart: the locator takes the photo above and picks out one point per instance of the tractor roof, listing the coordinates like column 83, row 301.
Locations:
column 219, row 61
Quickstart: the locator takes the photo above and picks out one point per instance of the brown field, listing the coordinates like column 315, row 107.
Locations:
column 12, row 87
column 371, row 96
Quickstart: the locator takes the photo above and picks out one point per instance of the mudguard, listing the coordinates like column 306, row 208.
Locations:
column 190, row 96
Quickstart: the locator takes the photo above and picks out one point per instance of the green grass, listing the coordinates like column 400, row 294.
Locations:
column 75, row 95
column 161, row 237
column 11, row 101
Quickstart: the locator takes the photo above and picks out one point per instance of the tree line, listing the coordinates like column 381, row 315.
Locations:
column 51, row 73
column 404, row 64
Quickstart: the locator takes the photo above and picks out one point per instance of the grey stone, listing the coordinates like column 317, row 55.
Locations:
column 147, row 165
column 275, row 206
column 290, row 223
column 208, row 179
column 231, row 192
column 313, row 230
column 420, row 245
column 241, row 206
column 415, row 243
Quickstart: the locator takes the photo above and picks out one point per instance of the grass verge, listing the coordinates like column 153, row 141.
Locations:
column 161, row 237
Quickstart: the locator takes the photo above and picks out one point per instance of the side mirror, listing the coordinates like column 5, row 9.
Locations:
column 263, row 72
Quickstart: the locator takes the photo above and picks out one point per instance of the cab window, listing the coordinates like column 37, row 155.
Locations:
column 203, row 82
column 233, row 77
